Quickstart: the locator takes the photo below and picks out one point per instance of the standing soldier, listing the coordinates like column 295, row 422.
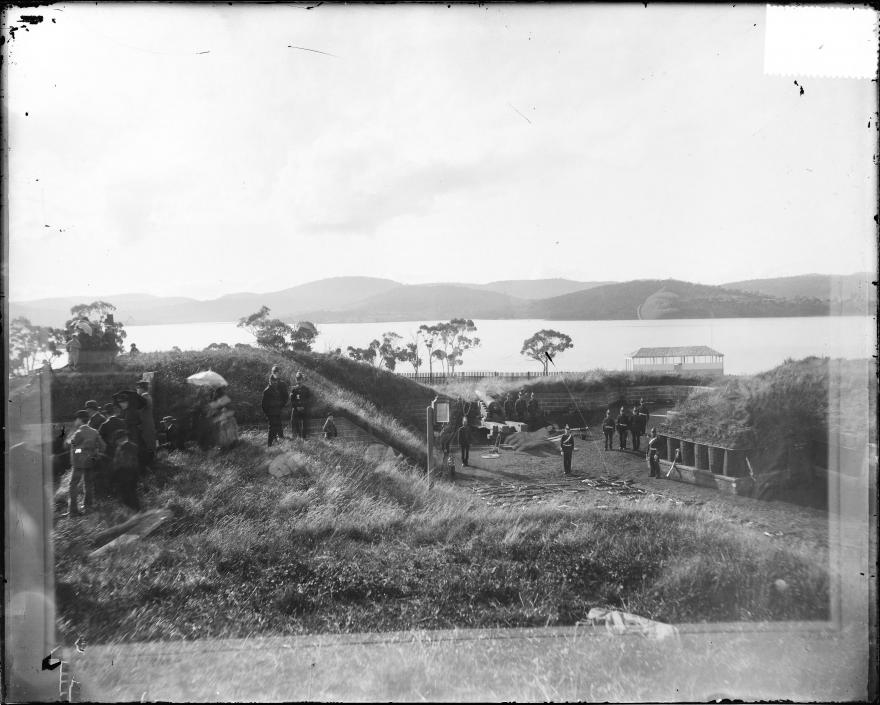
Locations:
column 608, row 429
column 520, row 407
column 534, row 409
column 464, row 441
column 636, row 429
column 85, row 445
column 623, row 423
column 509, row 408
column 271, row 405
column 653, row 455
column 148, row 424
column 299, row 404
column 566, row 447
column 644, row 415
column 283, row 390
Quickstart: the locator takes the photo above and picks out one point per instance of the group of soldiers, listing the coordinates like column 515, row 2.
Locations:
column 276, row 396
column 626, row 424
column 112, row 446
column 524, row 408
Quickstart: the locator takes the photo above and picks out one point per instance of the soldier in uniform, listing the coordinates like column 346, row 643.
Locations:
column 271, row 405
column 534, row 411
column 148, row 425
column 644, row 415
column 299, row 405
column 283, row 390
column 464, row 441
column 653, row 455
column 566, row 447
column 636, row 429
column 608, row 425
column 509, row 409
column 520, row 406
column 623, row 424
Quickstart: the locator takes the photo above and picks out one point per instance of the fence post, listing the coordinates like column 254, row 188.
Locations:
column 429, row 427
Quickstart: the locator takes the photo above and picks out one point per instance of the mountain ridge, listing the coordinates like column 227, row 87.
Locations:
column 363, row 299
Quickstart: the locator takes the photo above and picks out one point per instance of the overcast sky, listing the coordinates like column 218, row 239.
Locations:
column 195, row 150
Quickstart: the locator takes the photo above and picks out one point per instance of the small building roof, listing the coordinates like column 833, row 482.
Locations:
column 689, row 350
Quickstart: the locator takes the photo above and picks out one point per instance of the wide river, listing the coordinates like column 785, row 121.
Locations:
column 748, row 344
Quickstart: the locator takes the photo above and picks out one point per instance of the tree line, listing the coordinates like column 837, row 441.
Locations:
column 443, row 344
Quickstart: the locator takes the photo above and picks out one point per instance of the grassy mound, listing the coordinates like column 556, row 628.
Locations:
column 575, row 382
column 247, row 371
column 343, row 544
column 786, row 405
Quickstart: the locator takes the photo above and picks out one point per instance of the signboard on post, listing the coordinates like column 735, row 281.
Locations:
column 441, row 412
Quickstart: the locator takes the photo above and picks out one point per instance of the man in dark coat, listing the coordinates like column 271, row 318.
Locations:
column 464, row 441
column 271, row 405
column 96, row 418
column 608, row 426
column 623, row 425
column 636, row 429
column 299, row 406
column 644, row 415
column 283, row 390
column 566, row 447
column 509, row 408
column 534, row 411
column 148, row 424
column 521, row 407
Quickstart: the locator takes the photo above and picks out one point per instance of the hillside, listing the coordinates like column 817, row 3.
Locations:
column 848, row 294
column 366, row 299
column 536, row 288
column 426, row 301
column 670, row 298
column 143, row 309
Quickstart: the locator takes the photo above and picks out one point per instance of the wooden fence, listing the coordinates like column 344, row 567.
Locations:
column 480, row 374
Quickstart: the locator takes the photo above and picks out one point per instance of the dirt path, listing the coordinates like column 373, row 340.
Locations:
column 516, row 478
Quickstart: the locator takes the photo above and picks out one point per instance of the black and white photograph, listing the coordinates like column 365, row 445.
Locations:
column 440, row 352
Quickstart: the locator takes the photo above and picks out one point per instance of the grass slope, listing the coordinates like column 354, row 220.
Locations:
column 344, row 545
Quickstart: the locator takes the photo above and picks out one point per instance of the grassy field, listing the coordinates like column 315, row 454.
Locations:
column 344, row 544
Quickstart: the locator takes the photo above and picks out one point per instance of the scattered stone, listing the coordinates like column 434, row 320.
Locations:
column 780, row 585
column 287, row 464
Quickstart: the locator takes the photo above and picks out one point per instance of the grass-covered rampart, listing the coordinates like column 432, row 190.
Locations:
column 575, row 382
column 789, row 405
column 367, row 396
column 344, row 544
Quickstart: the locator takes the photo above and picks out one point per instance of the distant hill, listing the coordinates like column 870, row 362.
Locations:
column 536, row 288
column 670, row 298
column 143, row 309
column 362, row 299
column 426, row 302
column 846, row 293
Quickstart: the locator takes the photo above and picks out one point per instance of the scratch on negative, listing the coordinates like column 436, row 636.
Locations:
column 520, row 114
column 317, row 51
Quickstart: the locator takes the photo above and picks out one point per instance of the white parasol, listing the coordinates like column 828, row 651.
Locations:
column 207, row 379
